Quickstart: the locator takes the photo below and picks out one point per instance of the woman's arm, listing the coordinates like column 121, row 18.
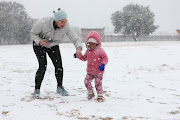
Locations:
column 73, row 37
column 35, row 31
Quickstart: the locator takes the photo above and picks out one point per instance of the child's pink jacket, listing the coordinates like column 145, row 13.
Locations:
column 96, row 57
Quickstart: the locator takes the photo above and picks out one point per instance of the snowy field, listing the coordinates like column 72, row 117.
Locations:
column 141, row 82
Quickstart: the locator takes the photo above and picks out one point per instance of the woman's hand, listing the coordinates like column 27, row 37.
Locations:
column 42, row 42
column 78, row 53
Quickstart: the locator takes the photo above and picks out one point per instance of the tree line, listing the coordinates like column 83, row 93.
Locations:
column 15, row 23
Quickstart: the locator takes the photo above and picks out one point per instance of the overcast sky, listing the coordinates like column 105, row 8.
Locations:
column 97, row 13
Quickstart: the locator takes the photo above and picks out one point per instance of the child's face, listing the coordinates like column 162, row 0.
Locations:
column 92, row 46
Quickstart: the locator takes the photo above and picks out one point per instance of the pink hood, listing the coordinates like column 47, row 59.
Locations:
column 95, row 35
column 95, row 57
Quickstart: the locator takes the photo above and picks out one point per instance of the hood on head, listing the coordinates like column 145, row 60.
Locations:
column 94, row 35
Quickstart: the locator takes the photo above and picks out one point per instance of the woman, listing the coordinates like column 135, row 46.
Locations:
column 46, row 34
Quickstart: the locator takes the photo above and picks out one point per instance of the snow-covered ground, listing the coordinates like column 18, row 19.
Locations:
column 142, row 81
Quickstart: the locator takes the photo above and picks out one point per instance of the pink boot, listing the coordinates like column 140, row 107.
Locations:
column 90, row 94
column 100, row 98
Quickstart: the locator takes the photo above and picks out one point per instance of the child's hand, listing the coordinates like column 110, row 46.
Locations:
column 75, row 55
column 102, row 67
column 78, row 53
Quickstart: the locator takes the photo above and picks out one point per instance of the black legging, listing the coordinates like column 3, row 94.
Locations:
column 54, row 54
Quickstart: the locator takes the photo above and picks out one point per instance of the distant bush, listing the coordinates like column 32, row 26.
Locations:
column 134, row 21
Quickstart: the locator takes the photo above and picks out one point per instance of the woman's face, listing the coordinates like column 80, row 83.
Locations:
column 61, row 23
column 91, row 46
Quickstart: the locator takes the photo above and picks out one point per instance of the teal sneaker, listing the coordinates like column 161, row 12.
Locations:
column 36, row 93
column 62, row 91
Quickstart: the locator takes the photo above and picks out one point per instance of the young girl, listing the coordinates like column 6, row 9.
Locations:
column 96, row 60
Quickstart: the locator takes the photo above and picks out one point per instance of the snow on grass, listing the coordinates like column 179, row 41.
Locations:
column 141, row 81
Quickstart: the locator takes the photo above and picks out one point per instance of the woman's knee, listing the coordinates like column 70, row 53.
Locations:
column 43, row 67
column 59, row 69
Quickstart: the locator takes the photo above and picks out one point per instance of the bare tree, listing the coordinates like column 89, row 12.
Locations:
column 15, row 23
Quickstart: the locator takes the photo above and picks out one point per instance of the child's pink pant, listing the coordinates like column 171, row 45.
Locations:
column 98, row 82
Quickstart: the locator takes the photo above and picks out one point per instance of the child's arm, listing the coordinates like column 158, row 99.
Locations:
column 83, row 57
column 104, row 57
column 104, row 60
